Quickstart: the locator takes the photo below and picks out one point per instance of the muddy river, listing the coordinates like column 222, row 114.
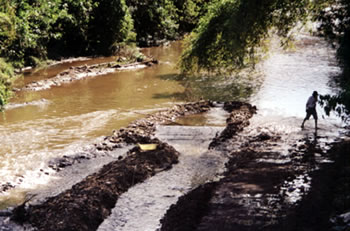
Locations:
column 38, row 126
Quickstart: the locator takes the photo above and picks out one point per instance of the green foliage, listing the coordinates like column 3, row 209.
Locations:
column 229, row 34
column 334, row 18
column 189, row 12
column 154, row 20
column 7, row 30
column 6, row 71
column 72, row 30
column 55, row 28
column 117, row 25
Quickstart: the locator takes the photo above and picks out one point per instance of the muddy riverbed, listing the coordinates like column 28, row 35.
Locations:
column 261, row 189
column 229, row 166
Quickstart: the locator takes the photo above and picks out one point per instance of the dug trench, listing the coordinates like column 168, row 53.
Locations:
column 253, row 194
column 260, row 189
column 86, row 204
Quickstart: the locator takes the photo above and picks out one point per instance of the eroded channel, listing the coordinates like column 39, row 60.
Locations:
column 289, row 78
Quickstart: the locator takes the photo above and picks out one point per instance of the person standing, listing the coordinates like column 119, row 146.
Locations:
column 311, row 108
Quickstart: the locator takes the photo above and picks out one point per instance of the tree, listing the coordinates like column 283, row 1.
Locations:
column 153, row 20
column 110, row 26
column 229, row 34
column 335, row 26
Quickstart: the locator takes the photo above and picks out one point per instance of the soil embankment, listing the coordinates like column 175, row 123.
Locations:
column 88, row 203
column 265, row 190
column 262, row 189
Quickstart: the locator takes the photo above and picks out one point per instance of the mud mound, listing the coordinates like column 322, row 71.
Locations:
column 88, row 203
column 240, row 113
column 189, row 210
column 140, row 129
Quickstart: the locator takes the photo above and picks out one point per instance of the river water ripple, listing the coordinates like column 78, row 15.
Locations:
column 79, row 114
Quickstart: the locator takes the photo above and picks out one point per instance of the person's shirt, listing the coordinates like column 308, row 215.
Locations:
column 311, row 102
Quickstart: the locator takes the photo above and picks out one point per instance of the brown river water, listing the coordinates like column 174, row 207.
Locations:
column 63, row 119
column 38, row 126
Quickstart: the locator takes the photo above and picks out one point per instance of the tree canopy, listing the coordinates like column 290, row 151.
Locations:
column 225, row 34
column 228, row 36
column 231, row 35
column 35, row 30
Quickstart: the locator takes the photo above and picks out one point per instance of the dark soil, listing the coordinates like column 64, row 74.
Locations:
column 240, row 113
column 88, row 203
column 249, row 196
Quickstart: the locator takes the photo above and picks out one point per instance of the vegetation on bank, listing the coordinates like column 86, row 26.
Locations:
column 231, row 36
column 36, row 30
column 226, row 35
column 335, row 27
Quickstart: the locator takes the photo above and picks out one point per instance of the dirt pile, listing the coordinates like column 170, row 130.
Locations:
column 240, row 113
column 145, row 127
column 88, row 203
column 138, row 131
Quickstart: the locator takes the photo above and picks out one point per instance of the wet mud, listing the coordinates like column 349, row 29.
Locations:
column 240, row 113
column 261, row 189
column 88, row 203
column 82, row 72
column 257, row 193
column 136, row 132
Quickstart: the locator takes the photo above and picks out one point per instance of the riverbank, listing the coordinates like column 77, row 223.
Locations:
column 248, row 198
column 82, row 72
column 265, row 190
column 138, row 132
column 261, row 189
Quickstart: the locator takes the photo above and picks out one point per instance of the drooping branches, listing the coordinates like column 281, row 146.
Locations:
column 228, row 35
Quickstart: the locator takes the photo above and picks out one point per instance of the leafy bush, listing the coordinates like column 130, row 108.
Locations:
column 6, row 71
column 189, row 12
column 110, row 26
column 334, row 18
column 153, row 20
